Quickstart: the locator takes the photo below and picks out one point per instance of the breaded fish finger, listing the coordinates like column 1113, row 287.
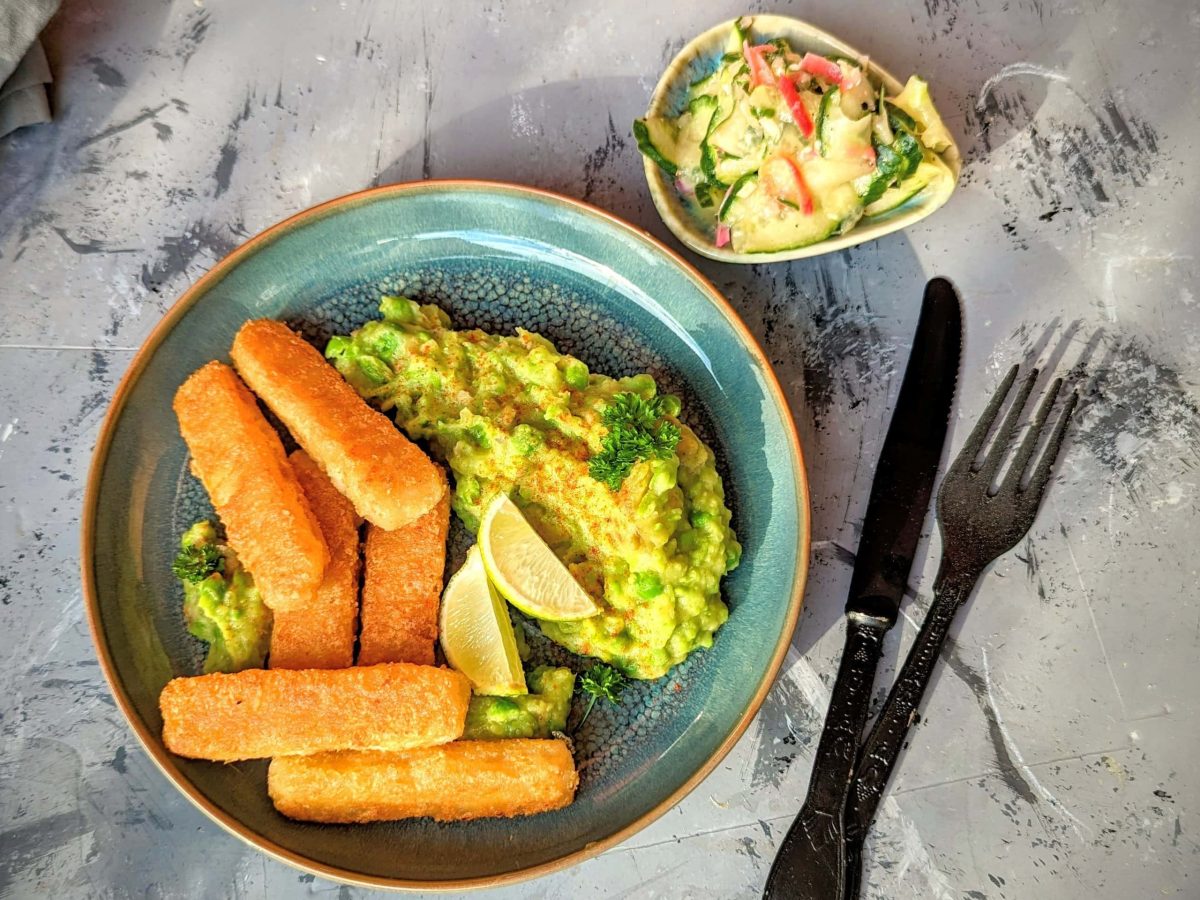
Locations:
column 276, row 712
column 460, row 780
column 241, row 462
column 388, row 478
column 320, row 634
column 402, row 584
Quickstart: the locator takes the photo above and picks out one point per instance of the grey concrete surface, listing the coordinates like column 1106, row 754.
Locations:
column 1055, row 757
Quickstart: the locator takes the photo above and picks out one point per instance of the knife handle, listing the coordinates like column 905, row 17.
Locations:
column 853, row 883
column 833, row 766
column 883, row 745
column 810, row 862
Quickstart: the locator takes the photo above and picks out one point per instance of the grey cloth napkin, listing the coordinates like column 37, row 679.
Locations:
column 24, row 73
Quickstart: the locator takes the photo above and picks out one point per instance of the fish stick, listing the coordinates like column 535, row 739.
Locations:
column 320, row 634
column 276, row 712
column 460, row 780
column 240, row 460
column 388, row 478
column 402, row 584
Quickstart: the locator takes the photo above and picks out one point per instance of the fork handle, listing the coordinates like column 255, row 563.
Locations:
column 810, row 864
column 882, row 747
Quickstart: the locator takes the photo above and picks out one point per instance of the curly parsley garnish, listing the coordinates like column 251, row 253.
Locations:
column 197, row 562
column 601, row 680
column 636, row 431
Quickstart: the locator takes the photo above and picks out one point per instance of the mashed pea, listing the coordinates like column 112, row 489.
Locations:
column 513, row 415
column 537, row 714
column 223, row 607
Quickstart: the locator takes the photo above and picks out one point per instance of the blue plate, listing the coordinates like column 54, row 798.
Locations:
column 494, row 256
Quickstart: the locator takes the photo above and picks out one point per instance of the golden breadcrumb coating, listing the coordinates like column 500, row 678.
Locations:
column 257, row 713
column 388, row 478
column 460, row 780
column 402, row 585
column 240, row 460
column 320, row 634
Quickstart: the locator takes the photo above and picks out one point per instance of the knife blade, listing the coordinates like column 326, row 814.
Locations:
column 812, row 860
column 908, row 462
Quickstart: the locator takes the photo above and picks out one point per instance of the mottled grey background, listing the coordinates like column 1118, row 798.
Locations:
column 1056, row 755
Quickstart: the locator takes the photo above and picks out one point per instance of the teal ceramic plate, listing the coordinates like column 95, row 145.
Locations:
column 494, row 256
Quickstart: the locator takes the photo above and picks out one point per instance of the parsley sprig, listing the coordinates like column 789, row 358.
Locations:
column 636, row 431
column 601, row 680
column 197, row 562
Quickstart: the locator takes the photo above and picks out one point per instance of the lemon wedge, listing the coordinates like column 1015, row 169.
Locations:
column 477, row 634
column 525, row 570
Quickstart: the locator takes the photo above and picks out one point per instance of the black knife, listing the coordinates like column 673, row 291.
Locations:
column 812, row 861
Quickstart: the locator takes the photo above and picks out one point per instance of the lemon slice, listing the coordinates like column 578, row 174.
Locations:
column 477, row 634
column 525, row 570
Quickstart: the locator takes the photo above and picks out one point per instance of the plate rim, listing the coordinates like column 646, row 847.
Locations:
column 152, row 745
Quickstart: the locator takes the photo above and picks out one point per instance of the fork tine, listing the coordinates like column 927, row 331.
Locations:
column 1041, row 473
column 971, row 448
column 1012, row 480
column 991, row 463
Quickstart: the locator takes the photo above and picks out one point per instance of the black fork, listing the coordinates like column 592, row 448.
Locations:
column 977, row 525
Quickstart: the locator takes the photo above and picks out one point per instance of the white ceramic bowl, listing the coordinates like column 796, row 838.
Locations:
column 698, row 58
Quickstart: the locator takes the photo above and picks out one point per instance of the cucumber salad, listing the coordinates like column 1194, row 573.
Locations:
column 777, row 149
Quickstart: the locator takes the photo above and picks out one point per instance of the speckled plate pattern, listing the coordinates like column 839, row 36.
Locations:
column 495, row 257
